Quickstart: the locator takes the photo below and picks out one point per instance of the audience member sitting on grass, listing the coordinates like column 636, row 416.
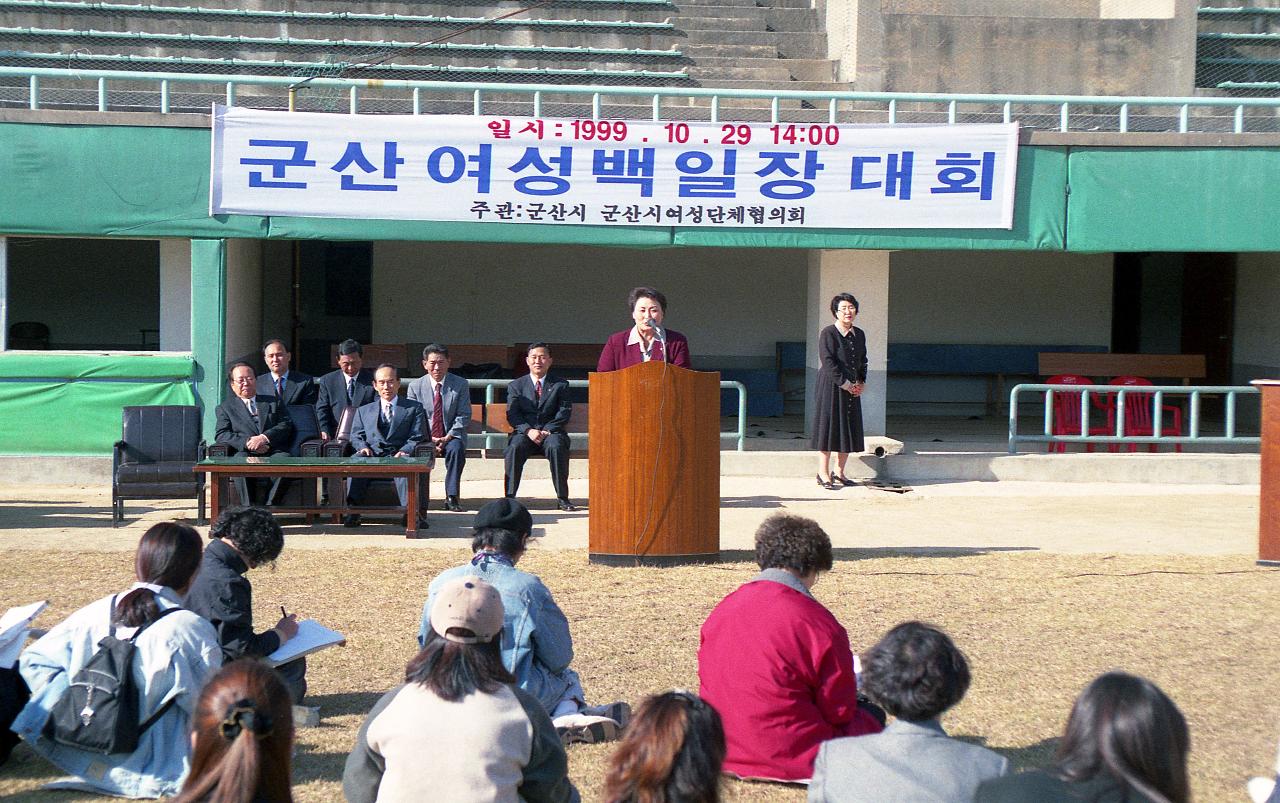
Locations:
column 916, row 673
column 1266, row 790
column 777, row 665
column 672, row 753
column 173, row 654
column 241, row 539
column 1125, row 742
column 242, row 738
column 536, row 645
column 459, row 729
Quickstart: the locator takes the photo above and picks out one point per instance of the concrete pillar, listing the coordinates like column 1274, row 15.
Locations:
column 209, row 324
column 244, row 300
column 175, row 295
column 866, row 275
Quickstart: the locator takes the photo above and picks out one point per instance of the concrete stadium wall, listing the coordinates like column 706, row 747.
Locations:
column 990, row 297
column 995, row 297
column 1089, row 47
column 1257, row 325
column 729, row 302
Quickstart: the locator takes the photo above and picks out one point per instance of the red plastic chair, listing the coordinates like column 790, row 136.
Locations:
column 1138, row 416
column 1066, row 410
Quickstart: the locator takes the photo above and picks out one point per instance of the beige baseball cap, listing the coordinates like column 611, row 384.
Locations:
column 469, row 603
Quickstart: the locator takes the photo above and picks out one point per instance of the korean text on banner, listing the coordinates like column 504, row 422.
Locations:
column 612, row 172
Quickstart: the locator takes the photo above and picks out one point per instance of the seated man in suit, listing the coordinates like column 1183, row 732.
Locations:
column 538, row 410
column 916, row 672
column 388, row 427
column 291, row 387
column 446, row 398
column 253, row 424
column 349, row 386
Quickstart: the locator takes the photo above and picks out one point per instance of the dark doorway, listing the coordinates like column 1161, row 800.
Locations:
column 1167, row 303
column 335, row 285
column 1208, row 311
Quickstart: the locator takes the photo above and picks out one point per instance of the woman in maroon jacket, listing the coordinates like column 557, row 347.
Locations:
column 647, row 340
column 777, row 665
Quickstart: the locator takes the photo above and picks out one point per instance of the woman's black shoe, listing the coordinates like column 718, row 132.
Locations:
column 842, row 480
column 830, row 485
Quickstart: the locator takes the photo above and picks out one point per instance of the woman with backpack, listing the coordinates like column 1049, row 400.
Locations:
column 127, row 734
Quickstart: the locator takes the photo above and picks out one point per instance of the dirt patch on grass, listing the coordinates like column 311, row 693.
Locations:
column 1036, row 629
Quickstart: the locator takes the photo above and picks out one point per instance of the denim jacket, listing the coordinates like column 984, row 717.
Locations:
column 174, row 657
column 536, row 645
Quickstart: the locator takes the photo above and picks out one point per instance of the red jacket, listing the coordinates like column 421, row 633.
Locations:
column 617, row 354
column 777, row 666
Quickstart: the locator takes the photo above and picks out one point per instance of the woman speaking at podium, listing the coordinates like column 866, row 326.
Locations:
column 647, row 340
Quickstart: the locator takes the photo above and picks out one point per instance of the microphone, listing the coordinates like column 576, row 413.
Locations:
column 661, row 335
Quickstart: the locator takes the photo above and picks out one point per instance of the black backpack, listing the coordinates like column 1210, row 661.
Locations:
column 99, row 710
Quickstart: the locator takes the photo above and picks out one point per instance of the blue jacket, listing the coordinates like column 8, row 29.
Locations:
column 536, row 645
column 174, row 658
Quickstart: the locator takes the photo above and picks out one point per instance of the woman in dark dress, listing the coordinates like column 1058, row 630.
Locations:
column 837, row 418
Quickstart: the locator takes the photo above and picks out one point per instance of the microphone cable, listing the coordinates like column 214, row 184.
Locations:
column 657, row 453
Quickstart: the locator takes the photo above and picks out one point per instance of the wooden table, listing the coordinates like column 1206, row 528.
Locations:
column 222, row 469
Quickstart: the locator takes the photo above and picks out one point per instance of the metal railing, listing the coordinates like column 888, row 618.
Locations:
column 1046, row 112
column 1157, row 393
column 495, row 440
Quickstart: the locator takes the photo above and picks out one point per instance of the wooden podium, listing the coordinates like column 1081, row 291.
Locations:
column 1269, row 485
column 655, row 466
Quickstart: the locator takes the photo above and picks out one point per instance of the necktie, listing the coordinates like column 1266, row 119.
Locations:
column 253, row 413
column 280, row 388
column 350, row 387
column 537, row 389
column 437, row 416
column 386, row 412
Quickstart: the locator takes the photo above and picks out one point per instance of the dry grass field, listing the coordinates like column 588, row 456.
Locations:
column 1036, row 628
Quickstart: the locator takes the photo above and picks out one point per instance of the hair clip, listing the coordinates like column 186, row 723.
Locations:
column 241, row 715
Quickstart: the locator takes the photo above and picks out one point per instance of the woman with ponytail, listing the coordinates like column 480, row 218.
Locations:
column 671, row 752
column 175, row 651
column 242, row 738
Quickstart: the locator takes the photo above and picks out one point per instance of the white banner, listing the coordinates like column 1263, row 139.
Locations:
column 612, row 172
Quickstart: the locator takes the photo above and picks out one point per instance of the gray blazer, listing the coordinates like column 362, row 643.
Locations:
column 455, row 400
column 911, row 762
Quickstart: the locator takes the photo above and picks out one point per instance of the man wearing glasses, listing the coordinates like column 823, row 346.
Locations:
column 252, row 423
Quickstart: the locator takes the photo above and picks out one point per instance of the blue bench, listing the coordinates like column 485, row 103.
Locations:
column 994, row 362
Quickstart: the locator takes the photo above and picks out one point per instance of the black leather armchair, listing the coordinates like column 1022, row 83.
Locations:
column 155, row 456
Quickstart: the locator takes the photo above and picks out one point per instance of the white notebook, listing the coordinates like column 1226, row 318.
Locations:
column 312, row 637
column 13, row 630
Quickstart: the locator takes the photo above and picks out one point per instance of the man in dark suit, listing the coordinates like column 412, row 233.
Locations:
column 446, row 400
column 387, row 427
column 252, row 423
column 538, row 410
column 291, row 387
column 349, row 386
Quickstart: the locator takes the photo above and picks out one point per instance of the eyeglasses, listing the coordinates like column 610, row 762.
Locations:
column 248, row 380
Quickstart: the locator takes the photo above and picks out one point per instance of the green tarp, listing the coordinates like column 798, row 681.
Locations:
column 153, row 181
column 70, row 403
column 1173, row 199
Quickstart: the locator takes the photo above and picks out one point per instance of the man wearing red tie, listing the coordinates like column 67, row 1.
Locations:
column 538, row 410
column 446, row 398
